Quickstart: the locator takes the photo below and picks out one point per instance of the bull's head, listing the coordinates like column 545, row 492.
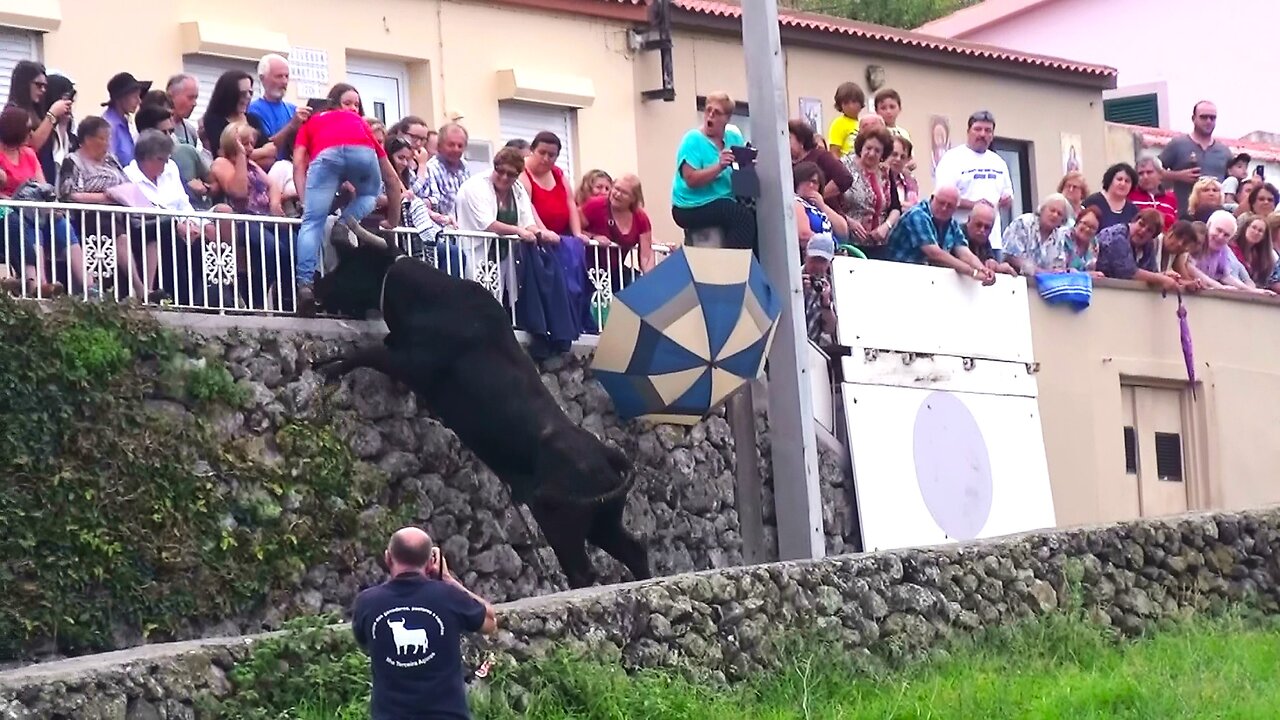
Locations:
column 573, row 465
column 355, row 287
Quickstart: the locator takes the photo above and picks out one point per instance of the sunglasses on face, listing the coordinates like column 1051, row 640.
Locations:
column 506, row 173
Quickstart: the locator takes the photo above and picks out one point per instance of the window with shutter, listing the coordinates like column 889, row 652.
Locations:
column 207, row 69
column 1141, row 110
column 522, row 120
column 15, row 46
column 1169, row 457
column 1130, row 451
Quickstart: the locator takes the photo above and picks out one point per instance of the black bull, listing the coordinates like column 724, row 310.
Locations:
column 452, row 343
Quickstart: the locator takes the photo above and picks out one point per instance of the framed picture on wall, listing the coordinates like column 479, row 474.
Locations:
column 939, row 138
column 1071, row 157
column 811, row 111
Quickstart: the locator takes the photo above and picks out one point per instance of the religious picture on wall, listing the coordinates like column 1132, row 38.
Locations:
column 1071, row 160
column 939, row 138
column 811, row 111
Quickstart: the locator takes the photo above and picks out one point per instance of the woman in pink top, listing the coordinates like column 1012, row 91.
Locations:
column 336, row 146
column 618, row 224
column 31, row 233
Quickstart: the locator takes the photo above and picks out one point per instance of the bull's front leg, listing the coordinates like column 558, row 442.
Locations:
column 378, row 357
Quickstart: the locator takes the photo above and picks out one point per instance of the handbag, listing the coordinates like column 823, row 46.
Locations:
column 1074, row 290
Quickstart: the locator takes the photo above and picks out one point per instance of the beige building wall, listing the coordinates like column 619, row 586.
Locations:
column 1130, row 334
column 454, row 52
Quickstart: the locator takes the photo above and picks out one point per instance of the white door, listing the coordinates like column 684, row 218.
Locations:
column 522, row 120
column 383, row 86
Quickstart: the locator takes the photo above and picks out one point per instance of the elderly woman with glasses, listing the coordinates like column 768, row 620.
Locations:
column 497, row 202
column 702, row 191
column 94, row 176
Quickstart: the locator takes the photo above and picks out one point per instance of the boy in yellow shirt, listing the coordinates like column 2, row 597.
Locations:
column 844, row 129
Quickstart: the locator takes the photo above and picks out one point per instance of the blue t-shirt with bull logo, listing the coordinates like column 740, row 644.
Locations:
column 411, row 627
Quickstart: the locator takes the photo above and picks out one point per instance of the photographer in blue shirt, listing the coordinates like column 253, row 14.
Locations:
column 411, row 628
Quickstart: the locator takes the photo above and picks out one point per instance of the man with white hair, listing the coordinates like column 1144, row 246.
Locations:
column 929, row 234
column 183, row 91
column 280, row 119
column 1128, row 251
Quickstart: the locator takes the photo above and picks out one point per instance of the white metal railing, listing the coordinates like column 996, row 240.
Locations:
column 233, row 263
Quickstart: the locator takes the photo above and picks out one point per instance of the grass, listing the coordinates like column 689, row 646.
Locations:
column 1054, row 668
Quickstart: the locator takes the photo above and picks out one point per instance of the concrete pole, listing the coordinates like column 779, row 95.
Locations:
column 797, row 499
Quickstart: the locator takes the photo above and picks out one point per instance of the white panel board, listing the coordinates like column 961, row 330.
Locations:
column 922, row 309
column 934, row 467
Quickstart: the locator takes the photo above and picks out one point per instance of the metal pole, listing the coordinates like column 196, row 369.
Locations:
column 796, row 485
column 748, row 490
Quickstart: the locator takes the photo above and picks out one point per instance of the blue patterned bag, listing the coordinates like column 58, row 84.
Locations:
column 1072, row 289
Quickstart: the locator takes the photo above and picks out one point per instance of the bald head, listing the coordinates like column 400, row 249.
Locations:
column 981, row 219
column 409, row 549
column 944, row 201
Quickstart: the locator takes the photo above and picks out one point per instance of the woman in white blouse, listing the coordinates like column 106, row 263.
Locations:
column 495, row 202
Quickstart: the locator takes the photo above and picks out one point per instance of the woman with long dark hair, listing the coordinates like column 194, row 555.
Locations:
column 345, row 96
column 229, row 103
column 28, row 89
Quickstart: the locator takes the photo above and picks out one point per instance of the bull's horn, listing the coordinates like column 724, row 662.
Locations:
column 364, row 236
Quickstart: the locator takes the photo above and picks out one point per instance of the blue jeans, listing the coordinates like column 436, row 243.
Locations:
column 24, row 229
column 355, row 164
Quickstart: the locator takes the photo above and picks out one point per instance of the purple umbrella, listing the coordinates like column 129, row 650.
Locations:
column 1188, row 355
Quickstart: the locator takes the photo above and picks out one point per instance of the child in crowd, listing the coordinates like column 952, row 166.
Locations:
column 888, row 105
column 1237, row 171
column 850, row 100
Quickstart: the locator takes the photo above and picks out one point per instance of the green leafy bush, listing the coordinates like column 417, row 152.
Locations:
column 116, row 518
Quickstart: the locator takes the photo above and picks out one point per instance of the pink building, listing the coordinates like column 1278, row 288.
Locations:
column 1169, row 53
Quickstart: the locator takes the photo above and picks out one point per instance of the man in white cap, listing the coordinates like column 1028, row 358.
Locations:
column 819, row 311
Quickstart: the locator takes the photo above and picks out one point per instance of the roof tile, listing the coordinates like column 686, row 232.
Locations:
column 853, row 28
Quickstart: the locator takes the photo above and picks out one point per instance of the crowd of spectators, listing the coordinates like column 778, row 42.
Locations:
column 1188, row 218
column 253, row 153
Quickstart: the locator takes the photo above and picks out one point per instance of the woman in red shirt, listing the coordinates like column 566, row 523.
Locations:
column 335, row 145
column 31, row 233
column 618, row 224
column 552, row 199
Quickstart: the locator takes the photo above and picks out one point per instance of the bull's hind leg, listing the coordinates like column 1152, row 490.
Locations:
column 608, row 533
column 565, row 527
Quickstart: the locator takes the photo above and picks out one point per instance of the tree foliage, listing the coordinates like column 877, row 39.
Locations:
column 905, row 14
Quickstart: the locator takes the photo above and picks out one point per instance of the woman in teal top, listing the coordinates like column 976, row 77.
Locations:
column 702, row 192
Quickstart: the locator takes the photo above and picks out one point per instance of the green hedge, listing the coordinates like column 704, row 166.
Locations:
column 118, row 513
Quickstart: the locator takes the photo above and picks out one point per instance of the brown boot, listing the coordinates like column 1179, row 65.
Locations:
column 306, row 301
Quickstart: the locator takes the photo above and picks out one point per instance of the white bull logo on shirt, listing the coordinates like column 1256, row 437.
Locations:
column 407, row 638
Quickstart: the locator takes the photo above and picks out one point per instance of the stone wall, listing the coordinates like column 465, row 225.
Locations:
column 682, row 505
column 730, row 622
